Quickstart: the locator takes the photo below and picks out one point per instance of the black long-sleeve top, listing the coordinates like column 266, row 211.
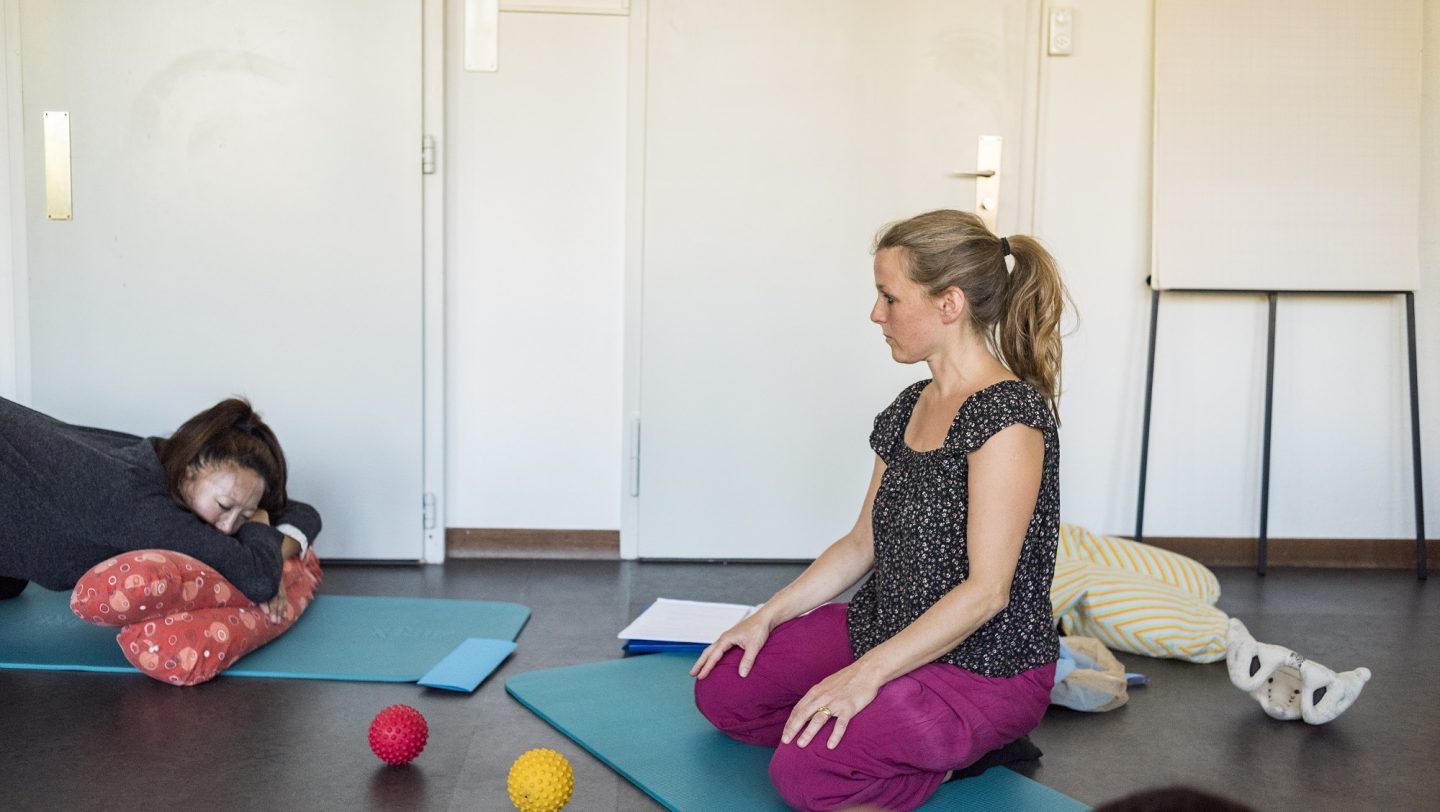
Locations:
column 71, row 497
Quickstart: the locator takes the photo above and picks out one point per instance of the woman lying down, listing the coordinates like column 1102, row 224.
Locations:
column 190, row 536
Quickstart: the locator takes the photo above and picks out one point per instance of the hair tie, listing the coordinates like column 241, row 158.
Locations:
column 1005, row 246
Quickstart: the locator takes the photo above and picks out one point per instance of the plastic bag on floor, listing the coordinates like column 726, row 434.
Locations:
column 1088, row 677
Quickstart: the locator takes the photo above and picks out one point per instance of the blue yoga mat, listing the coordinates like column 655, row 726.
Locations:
column 340, row 637
column 638, row 716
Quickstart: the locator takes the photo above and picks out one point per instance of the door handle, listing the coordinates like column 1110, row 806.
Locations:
column 987, row 181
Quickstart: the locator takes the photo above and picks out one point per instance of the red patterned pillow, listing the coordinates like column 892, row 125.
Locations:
column 148, row 583
column 183, row 623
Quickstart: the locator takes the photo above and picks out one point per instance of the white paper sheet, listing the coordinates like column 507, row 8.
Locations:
column 680, row 621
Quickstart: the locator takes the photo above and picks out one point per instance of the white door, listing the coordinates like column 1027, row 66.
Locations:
column 779, row 138
column 246, row 220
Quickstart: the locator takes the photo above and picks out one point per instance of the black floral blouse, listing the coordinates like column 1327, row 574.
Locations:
column 919, row 519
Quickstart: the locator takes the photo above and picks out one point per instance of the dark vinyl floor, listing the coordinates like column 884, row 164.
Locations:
column 71, row 741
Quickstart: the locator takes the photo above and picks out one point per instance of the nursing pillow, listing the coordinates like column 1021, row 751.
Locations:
column 1132, row 612
column 1174, row 569
column 181, row 621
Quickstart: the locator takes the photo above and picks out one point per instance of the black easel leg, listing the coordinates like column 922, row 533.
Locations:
column 1421, row 565
column 1145, row 425
column 1265, row 463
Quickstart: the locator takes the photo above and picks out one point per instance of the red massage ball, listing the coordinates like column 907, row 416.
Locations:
column 398, row 734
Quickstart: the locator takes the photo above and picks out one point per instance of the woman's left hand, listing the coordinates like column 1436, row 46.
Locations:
column 839, row 696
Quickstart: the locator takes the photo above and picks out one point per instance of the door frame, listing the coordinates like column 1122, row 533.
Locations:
column 15, row 274
column 432, row 246
column 638, row 61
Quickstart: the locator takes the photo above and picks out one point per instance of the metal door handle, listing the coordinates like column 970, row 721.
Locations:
column 987, row 180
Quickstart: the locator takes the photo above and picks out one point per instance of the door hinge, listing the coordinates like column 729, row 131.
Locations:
column 429, row 511
column 427, row 155
column 635, row 457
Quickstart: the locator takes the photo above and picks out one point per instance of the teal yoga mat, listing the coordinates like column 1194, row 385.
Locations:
column 638, row 716
column 340, row 637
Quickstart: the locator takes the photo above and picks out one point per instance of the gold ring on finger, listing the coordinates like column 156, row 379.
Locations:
column 825, row 709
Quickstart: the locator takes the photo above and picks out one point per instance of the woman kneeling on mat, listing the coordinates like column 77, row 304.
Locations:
column 75, row 496
column 948, row 651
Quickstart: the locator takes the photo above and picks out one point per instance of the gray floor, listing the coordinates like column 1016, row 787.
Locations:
column 72, row 741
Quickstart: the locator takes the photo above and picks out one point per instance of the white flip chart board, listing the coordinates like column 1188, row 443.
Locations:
column 1287, row 145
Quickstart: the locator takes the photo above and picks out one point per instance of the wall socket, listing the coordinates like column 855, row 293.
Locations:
column 1062, row 31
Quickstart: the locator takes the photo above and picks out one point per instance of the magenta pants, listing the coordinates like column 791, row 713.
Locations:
column 897, row 750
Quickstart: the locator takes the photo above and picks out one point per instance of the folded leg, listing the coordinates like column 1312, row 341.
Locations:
column 800, row 653
column 897, row 751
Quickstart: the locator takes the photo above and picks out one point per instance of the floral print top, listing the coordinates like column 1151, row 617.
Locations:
column 919, row 519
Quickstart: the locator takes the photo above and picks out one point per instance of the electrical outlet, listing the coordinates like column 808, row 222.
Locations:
column 1062, row 31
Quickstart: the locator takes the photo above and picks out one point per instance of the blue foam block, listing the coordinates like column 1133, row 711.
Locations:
column 468, row 665
column 638, row 716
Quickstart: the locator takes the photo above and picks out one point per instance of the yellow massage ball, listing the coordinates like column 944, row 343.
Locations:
column 540, row 781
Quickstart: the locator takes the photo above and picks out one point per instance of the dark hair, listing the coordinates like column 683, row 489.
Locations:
column 1173, row 799
column 228, row 432
column 1017, row 311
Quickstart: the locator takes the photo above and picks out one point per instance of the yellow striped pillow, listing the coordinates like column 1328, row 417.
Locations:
column 1131, row 612
column 1172, row 568
column 1072, row 576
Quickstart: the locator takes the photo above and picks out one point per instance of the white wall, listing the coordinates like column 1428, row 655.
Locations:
column 1341, row 446
column 8, row 321
column 535, row 272
column 536, row 155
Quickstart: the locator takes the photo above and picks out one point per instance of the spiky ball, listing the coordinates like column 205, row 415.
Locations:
column 398, row 734
column 540, row 781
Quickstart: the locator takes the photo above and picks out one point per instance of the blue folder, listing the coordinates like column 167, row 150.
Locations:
column 652, row 646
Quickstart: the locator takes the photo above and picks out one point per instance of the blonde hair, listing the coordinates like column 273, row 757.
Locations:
column 1018, row 312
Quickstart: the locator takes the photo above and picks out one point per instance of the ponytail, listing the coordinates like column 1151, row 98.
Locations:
column 1017, row 311
column 230, row 432
column 1027, row 334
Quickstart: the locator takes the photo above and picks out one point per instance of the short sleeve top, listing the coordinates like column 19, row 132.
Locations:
column 919, row 519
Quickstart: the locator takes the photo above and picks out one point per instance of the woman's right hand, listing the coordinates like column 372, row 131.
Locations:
column 278, row 607
column 749, row 634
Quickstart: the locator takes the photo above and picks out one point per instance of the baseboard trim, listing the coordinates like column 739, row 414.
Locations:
column 1396, row 554
column 469, row 542
column 466, row 542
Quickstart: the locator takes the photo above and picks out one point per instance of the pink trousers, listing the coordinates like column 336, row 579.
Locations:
column 897, row 750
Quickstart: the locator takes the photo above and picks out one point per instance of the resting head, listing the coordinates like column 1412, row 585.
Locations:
column 945, row 270
column 224, row 464
column 936, row 273
column 223, row 494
